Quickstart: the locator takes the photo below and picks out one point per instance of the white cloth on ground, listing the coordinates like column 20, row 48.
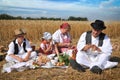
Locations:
column 19, row 66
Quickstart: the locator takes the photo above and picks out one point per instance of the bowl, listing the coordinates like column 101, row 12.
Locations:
column 54, row 61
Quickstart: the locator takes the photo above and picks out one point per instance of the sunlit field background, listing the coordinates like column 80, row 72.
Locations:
column 35, row 28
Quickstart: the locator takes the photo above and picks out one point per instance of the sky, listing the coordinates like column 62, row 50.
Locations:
column 92, row 9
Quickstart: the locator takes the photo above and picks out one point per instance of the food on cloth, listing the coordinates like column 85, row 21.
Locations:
column 60, row 64
column 42, row 59
column 64, row 58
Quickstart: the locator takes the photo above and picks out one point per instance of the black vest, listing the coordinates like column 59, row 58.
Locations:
column 88, row 38
column 16, row 46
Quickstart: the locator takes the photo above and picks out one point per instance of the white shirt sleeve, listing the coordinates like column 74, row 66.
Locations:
column 56, row 36
column 28, row 47
column 82, row 42
column 11, row 48
column 42, row 46
column 106, row 47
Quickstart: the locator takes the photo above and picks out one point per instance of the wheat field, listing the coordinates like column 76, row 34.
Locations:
column 35, row 28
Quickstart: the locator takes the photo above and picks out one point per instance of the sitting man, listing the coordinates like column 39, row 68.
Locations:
column 94, row 49
column 20, row 49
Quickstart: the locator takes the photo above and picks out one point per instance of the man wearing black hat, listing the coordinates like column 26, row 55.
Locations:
column 94, row 49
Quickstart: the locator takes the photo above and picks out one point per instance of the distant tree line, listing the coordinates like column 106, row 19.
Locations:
column 9, row 17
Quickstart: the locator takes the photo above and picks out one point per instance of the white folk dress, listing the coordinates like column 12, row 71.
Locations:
column 63, row 38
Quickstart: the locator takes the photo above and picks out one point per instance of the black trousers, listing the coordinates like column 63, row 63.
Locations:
column 76, row 66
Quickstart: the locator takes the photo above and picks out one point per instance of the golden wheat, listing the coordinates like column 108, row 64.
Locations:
column 35, row 28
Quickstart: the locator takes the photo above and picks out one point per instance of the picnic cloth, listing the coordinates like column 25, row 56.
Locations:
column 21, row 66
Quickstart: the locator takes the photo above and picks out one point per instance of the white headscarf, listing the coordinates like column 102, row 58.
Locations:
column 47, row 36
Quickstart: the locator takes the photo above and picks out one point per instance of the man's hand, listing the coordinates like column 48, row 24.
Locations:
column 95, row 48
column 88, row 46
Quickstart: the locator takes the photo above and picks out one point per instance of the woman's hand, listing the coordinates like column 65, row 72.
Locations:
column 20, row 59
column 16, row 57
column 68, row 44
column 27, row 56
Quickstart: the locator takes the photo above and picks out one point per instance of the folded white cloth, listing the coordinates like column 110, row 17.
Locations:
column 110, row 64
column 20, row 66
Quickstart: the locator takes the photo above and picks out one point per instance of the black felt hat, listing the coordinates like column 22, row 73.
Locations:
column 98, row 25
